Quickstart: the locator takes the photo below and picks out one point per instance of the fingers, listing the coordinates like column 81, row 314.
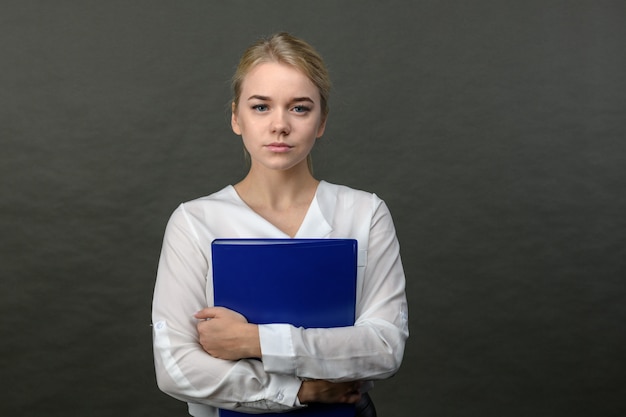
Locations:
column 330, row 392
column 352, row 398
column 205, row 313
column 353, row 393
column 219, row 313
column 208, row 313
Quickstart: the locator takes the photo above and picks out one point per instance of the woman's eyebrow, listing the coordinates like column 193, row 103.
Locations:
column 266, row 98
column 258, row 97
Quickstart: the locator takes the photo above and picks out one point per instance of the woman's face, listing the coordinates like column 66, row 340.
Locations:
column 279, row 116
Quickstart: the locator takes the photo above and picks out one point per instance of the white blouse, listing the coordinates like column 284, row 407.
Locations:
column 371, row 349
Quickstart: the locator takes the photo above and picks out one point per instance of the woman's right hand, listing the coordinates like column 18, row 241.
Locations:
column 321, row 391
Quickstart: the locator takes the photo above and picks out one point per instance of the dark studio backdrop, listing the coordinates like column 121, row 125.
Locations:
column 494, row 131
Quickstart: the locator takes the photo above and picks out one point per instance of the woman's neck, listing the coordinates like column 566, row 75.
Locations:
column 277, row 190
column 281, row 198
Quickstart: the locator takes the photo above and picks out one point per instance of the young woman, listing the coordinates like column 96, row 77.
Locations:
column 209, row 356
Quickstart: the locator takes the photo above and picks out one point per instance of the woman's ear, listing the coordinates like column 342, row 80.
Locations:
column 322, row 127
column 234, row 123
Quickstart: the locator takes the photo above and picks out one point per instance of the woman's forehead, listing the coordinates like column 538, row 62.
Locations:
column 275, row 77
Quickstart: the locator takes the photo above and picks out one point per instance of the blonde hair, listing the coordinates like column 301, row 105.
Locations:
column 286, row 49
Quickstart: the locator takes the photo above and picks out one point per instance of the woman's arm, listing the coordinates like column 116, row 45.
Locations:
column 183, row 369
column 371, row 349
column 226, row 334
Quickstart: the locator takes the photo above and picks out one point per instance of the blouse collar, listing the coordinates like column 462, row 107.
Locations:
column 317, row 221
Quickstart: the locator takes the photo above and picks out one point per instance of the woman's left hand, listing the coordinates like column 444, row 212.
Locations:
column 226, row 334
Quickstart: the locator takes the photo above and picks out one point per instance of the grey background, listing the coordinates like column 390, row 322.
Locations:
column 494, row 130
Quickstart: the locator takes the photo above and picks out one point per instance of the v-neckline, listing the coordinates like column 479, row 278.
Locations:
column 313, row 223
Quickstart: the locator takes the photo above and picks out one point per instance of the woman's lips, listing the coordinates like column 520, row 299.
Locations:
column 278, row 147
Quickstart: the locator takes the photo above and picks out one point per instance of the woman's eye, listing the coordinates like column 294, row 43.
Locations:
column 260, row 107
column 301, row 109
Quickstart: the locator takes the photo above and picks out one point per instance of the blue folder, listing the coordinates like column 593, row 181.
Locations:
column 308, row 283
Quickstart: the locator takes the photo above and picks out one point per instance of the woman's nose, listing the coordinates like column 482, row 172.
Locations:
column 280, row 123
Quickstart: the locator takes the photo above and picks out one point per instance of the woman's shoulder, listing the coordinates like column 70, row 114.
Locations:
column 347, row 193
column 225, row 195
column 335, row 198
column 223, row 199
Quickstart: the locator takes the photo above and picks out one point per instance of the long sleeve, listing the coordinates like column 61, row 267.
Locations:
column 183, row 369
column 373, row 348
